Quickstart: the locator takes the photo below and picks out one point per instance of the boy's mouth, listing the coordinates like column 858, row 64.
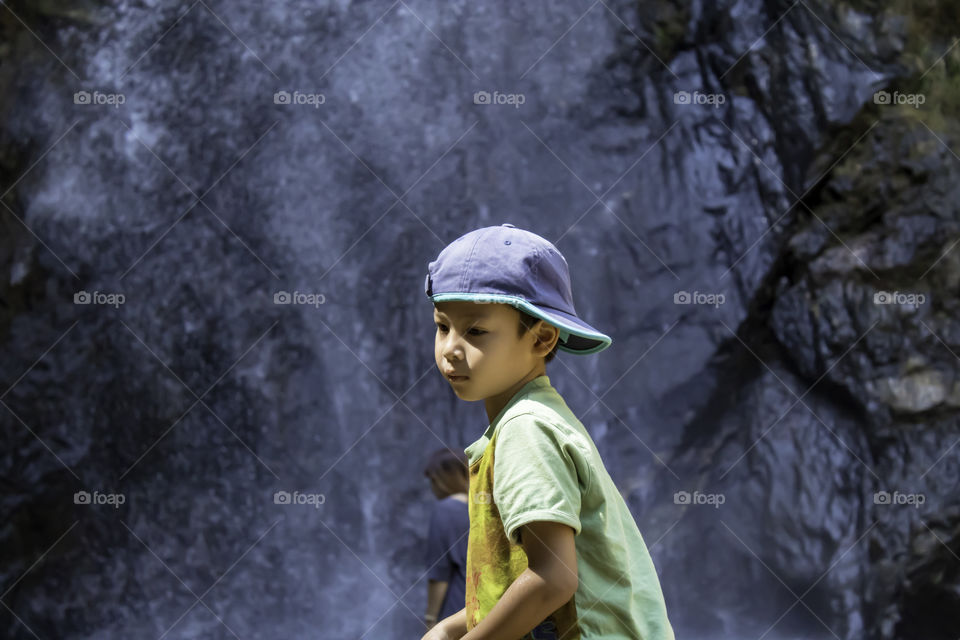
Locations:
column 452, row 378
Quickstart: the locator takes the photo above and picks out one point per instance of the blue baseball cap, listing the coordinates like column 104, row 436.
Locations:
column 504, row 264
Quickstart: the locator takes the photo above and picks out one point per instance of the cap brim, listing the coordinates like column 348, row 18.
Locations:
column 576, row 336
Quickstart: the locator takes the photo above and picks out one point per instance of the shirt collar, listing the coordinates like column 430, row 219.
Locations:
column 539, row 382
column 476, row 448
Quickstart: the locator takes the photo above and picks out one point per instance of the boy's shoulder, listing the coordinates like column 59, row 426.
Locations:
column 539, row 413
column 544, row 411
column 545, row 403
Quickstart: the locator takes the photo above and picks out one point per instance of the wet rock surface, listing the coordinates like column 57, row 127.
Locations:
column 785, row 435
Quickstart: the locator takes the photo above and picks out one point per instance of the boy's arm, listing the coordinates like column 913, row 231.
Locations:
column 549, row 581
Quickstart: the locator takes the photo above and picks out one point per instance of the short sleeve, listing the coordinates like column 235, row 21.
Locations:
column 535, row 475
column 437, row 553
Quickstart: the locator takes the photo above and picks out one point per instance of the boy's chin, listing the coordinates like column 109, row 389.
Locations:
column 463, row 391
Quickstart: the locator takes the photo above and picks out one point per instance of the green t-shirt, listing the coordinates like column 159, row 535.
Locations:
column 536, row 462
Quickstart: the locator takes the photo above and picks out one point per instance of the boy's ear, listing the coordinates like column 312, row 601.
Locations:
column 547, row 336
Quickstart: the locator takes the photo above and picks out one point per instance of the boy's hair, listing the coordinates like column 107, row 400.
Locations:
column 526, row 322
column 448, row 469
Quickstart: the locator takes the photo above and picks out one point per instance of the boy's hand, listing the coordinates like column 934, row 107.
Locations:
column 452, row 627
column 436, row 633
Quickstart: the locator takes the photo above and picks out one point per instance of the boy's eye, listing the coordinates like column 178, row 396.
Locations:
column 443, row 329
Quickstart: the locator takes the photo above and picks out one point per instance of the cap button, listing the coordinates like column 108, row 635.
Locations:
column 507, row 224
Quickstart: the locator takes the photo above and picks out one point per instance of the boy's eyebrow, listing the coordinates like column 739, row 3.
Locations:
column 469, row 315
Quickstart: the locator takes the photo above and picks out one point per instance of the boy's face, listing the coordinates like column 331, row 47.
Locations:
column 479, row 341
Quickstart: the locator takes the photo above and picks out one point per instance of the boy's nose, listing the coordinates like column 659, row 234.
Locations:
column 451, row 353
column 449, row 345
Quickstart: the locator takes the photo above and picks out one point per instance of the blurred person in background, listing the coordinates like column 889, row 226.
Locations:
column 446, row 553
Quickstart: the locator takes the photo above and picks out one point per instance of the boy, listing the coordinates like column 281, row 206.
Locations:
column 553, row 551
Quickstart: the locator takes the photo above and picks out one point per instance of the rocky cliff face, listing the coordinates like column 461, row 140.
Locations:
column 758, row 201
